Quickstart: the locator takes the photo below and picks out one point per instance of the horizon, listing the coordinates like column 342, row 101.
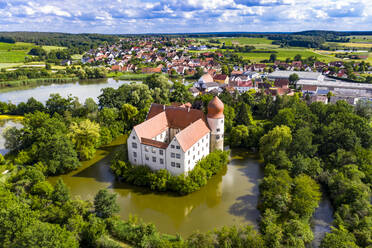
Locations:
column 190, row 16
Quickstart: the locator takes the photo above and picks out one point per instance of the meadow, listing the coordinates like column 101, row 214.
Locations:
column 260, row 43
column 284, row 53
column 51, row 48
column 361, row 39
column 14, row 53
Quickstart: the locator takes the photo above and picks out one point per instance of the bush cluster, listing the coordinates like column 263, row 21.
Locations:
column 162, row 180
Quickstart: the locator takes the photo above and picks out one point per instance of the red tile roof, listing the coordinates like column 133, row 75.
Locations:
column 192, row 134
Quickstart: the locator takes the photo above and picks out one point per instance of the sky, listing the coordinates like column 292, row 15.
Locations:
column 184, row 16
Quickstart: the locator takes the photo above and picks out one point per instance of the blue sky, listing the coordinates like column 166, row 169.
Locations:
column 172, row 16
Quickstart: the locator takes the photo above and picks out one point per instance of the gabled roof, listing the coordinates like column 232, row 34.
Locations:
column 152, row 127
column 192, row 134
column 177, row 117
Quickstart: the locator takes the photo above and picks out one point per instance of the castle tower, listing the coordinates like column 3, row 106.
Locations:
column 216, row 122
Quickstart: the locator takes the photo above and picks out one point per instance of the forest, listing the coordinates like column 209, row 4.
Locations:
column 305, row 148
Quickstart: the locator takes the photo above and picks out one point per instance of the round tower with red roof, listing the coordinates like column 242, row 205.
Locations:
column 216, row 122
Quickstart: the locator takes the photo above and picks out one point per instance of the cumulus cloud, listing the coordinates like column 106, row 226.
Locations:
column 142, row 16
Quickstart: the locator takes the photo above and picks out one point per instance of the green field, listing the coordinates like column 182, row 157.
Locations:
column 51, row 48
column 14, row 53
column 361, row 39
column 260, row 43
column 284, row 53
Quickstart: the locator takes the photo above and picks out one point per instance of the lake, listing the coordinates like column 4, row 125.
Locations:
column 82, row 89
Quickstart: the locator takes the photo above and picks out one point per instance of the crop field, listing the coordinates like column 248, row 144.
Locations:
column 14, row 53
column 284, row 53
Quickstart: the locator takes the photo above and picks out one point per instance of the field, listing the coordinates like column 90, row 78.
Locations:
column 260, row 43
column 14, row 53
column 361, row 39
column 284, row 53
column 51, row 48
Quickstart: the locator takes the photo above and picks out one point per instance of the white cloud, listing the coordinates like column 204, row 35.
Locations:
column 185, row 15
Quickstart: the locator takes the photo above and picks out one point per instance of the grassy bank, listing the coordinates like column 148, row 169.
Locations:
column 128, row 76
column 35, row 82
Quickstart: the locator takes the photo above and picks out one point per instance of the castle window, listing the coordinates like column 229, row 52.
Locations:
column 134, row 145
column 153, row 150
column 178, row 165
column 221, row 121
column 172, row 146
column 173, row 164
column 134, row 154
column 146, row 149
column 173, row 155
column 193, row 157
column 154, row 159
column 188, row 152
column 161, row 152
column 161, row 161
column 193, row 148
column 178, row 147
column 133, row 137
column 189, row 161
column 178, row 155
column 217, row 137
column 135, row 160
column 207, row 145
column 147, row 157
column 198, row 153
column 218, row 129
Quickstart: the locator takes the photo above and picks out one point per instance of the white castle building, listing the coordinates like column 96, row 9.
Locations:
column 176, row 138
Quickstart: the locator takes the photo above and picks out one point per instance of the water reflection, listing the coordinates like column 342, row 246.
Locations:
column 82, row 89
column 4, row 124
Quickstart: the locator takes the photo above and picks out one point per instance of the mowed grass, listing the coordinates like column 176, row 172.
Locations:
column 14, row 53
column 284, row 53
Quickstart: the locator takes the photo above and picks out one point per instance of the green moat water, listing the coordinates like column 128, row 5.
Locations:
column 229, row 198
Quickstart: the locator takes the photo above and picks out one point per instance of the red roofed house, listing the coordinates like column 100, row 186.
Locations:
column 221, row 79
column 175, row 138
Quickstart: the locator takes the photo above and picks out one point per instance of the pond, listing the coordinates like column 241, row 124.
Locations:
column 229, row 198
column 82, row 89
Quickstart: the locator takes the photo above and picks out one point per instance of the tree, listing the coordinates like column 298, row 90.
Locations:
column 305, row 196
column 59, row 154
column 128, row 115
column 297, row 57
column 285, row 116
column 61, row 193
column 243, row 115
column 85, row 136
column 58, row 104
column 339, row 238
column 273, row 57
column 225, row 70
column 239, row 136
column 105, row 204
column 179, row 93
column 293, row 79
column 41, row 234
column 278, row 139
column 160, row 87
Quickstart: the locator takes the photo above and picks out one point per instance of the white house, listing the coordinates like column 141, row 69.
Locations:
column 176, row 138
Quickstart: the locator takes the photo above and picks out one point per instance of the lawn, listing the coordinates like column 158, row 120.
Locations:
column 284, row 53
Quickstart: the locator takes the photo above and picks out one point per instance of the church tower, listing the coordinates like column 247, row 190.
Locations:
column 216, row 122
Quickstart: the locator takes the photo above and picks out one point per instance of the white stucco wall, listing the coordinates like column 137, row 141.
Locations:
column 134, row 149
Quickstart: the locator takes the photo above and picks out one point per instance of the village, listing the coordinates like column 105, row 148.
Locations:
column 207, row 70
